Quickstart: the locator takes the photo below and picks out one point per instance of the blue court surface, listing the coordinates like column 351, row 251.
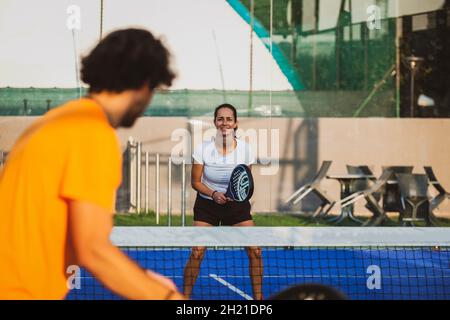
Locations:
column 360, row 273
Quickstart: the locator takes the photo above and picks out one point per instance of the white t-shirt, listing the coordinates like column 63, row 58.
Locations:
column 217, row 168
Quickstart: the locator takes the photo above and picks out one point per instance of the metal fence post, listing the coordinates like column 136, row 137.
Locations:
column 157, row 188
column 183, row 194
column 2, row 158
column 131, row 155
column 146, row 181
column 138, row 176
column 169, row 194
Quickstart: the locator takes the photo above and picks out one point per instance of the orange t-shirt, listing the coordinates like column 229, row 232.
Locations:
column 70, row 153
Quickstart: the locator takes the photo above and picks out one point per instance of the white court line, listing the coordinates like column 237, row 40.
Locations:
column 231, row 287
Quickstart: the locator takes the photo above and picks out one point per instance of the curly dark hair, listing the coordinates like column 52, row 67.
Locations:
column 127, row 59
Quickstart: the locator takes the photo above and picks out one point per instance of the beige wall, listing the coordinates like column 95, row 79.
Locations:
column 304, row 143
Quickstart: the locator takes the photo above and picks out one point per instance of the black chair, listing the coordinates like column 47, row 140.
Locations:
column 443, row 194
column 414, row 198
column 391, row 193
column 326, row 202
column 379, row 215
column 361, row 185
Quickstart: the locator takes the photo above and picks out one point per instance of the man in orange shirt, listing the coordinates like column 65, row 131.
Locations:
column 58, row 186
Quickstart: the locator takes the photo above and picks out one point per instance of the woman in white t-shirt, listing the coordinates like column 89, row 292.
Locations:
column 213, row 163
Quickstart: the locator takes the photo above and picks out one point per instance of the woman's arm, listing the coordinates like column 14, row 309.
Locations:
column 197, row 185
column 196, row 180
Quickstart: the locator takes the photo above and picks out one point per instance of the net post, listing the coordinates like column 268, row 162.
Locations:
column 157, row 188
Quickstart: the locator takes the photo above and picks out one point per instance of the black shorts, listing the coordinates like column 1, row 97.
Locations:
column 229, row 214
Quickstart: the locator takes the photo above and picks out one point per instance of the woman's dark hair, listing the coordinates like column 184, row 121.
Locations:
column 228, row 106
column 127, row 59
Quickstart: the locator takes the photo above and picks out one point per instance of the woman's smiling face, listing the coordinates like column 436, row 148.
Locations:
column 225, row 122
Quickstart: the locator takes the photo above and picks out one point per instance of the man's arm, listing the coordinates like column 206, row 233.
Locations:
column 89, row 229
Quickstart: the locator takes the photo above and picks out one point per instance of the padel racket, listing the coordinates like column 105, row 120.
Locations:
column 241, row 186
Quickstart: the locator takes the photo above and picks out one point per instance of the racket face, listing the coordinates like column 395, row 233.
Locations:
column 240, row 187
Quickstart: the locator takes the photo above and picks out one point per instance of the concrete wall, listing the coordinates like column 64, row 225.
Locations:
column 303, row 144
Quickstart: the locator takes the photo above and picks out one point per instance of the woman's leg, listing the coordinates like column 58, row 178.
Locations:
column 255, row 262
column 192, row 267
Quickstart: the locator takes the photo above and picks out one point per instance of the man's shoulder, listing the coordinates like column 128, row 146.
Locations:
column 78, row 109
column 80, row 116
column 78, row 127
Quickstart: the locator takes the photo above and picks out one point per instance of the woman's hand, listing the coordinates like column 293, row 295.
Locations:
column 219, row 198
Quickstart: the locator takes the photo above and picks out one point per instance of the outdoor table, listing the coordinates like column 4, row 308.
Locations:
column 346, row 182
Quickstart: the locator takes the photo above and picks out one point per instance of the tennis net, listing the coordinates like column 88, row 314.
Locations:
column 363, row 263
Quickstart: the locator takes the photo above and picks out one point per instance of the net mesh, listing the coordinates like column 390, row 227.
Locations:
column 363, row 264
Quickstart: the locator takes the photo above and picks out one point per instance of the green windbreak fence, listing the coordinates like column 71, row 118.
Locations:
column 37, row 101
column 347, row 56
column 345, row 68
